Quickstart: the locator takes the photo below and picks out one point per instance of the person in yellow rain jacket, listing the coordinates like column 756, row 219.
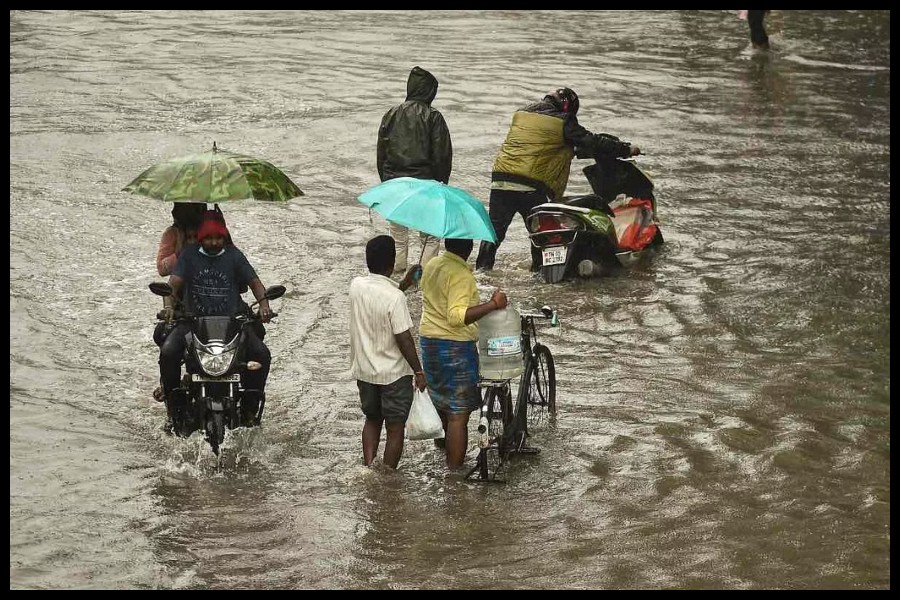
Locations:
column 532, row 166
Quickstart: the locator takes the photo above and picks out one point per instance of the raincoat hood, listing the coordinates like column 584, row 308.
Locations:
column 421, row 86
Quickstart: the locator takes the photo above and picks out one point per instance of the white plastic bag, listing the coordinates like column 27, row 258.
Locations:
column 423, row 422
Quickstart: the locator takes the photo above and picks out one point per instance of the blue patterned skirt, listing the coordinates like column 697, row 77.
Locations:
column 451, row 372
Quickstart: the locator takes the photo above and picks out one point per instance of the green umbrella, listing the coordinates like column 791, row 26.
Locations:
column 213, row 177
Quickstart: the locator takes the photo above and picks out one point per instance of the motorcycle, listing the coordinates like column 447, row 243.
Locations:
column 598, row 233
column 211, row 396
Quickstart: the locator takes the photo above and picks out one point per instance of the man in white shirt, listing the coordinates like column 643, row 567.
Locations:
column 383, row 357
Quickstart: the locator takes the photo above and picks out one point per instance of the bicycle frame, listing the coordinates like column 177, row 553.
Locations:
column 503, row 425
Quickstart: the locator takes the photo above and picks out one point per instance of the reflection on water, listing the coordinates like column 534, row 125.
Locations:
column 724, row 413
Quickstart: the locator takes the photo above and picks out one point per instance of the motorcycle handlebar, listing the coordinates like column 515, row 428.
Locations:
column 601, row 156
column 185, row 316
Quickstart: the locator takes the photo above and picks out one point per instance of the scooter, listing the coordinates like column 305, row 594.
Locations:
column 211, row 396
column 594, row 235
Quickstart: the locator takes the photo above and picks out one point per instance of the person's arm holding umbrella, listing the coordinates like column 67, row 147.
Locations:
column 413, row 275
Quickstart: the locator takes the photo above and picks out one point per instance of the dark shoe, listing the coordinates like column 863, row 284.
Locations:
column 248, row 419
column 158, row 394
column 168, row 426
column 251, row 403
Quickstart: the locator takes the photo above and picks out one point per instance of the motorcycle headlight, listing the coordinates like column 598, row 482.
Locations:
column 216, row 359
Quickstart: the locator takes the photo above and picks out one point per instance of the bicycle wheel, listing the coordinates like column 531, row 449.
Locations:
column 498, row 401
column 541, row 380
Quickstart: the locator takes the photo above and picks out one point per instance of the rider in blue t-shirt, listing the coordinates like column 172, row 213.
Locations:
column 208, row 278
column 212, row 281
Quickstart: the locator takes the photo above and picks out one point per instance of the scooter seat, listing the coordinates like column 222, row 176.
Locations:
column 591, row 202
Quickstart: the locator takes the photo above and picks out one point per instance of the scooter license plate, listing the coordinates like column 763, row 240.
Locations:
column 555, row 255
column 227, row 379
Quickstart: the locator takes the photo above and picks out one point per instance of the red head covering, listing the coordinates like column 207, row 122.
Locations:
column 213, row 223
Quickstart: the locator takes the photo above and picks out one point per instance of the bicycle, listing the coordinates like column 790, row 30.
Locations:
column 503, row 425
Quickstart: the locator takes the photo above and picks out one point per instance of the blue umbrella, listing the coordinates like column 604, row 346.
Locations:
column 432, row 207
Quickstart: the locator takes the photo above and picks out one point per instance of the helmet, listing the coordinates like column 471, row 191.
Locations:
column 567, row 99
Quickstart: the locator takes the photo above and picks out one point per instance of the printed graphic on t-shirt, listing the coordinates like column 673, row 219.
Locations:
column 211, row 291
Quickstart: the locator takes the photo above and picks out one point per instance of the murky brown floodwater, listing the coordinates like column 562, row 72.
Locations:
column 724, row 409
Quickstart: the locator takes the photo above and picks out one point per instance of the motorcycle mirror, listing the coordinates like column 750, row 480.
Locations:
column 275, row 291
column 161, row 288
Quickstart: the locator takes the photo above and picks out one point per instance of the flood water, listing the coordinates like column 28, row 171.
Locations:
column 724, row 408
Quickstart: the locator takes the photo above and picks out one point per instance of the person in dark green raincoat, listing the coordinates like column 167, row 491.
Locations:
column 414, row 141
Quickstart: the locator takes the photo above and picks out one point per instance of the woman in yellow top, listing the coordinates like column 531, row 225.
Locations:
column 448, row 338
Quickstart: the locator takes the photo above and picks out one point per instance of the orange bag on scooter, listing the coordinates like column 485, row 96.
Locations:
column 634, row 224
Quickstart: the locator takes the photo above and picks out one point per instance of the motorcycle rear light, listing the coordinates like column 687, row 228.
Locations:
column 544, row 222
column 548, row 223
column 554, row 240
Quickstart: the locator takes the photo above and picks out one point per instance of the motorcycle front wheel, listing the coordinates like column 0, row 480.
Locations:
column 215, row 430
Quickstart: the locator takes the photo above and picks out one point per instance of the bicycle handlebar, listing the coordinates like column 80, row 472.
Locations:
column 534, row 315
column 545, row 312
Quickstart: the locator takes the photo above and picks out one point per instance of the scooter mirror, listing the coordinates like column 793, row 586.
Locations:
column 161, row 288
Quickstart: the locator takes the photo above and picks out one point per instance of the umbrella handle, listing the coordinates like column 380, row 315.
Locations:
column 422, row 254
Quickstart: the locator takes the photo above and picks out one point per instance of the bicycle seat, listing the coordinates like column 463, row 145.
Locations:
column 487, row 382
